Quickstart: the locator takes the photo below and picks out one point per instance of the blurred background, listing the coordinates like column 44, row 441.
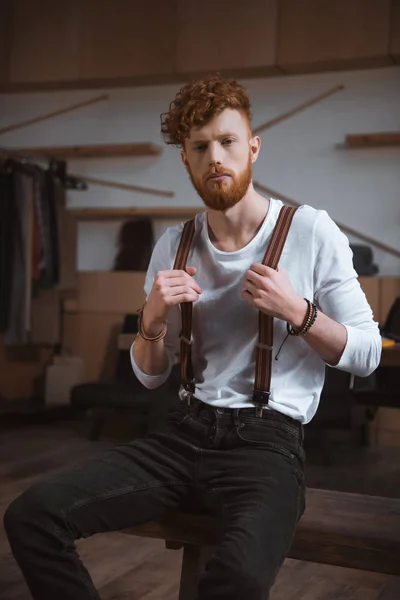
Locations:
column 87, row 187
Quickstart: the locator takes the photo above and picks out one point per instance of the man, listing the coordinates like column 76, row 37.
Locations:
column 238, row 451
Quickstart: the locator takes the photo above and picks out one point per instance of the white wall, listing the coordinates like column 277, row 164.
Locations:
column 302, row 158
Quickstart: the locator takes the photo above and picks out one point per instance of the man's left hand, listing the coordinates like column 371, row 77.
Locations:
column 271, row 292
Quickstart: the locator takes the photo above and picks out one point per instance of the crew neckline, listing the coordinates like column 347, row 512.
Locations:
column 247, row 247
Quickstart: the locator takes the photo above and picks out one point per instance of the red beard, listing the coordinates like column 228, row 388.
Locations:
column 225, row 194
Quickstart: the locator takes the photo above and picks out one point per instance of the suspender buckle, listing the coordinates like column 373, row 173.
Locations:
column 186, row 392
column 185, row 339
column 260, row 399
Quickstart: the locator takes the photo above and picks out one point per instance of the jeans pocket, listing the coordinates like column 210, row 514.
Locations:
column 261, row 436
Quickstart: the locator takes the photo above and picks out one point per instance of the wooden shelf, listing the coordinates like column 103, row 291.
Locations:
column 95, row 150
column 372, row 140
column 110, row 214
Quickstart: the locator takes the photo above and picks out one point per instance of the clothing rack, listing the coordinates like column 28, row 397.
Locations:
column 57, row 167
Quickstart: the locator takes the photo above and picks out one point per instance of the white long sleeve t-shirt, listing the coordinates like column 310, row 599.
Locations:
column 318, row 260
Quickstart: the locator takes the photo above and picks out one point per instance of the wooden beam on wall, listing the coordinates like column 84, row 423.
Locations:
column 372, row 140
column 112, row 214
column 52, row 114
column 95, row 150
column 346, row 228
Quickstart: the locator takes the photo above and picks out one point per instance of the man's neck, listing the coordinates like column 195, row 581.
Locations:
column 234, row 229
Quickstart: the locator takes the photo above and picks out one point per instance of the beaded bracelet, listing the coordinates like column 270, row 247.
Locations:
column 308, row 322
column 141, row 332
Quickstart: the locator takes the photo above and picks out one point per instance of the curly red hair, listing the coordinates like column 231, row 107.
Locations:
column 197, row 103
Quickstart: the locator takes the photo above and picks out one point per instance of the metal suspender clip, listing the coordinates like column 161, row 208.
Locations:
column 260, row 399
column 186, row 393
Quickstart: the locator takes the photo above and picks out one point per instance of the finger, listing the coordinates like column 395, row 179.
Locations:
column 247, row 296
column 249, row 287
column 191, row 270
column 179, row 298
column 254, row 277
column 183, row 289
column 172, row 273
column 177, row 277
column 261, row 269
column 180, row 281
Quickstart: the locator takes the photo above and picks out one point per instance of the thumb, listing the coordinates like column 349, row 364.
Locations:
column 191, row 270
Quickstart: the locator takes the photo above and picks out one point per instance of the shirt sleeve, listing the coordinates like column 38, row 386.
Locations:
column 162, row 259
column 338, row 293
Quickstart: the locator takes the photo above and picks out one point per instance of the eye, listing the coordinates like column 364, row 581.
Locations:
column 200, row 148
column 228, row 142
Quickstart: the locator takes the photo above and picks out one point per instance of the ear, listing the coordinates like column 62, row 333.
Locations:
column 255, row 146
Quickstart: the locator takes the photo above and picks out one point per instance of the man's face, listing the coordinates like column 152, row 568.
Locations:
column 219, row 159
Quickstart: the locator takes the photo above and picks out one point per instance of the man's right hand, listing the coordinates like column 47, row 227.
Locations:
column 169, row 288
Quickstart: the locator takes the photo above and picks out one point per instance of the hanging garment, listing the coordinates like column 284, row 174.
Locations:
column 7, row 223
column 18, row 326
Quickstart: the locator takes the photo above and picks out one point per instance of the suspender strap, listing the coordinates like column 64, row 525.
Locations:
column 186, row 310
column 262, row 385
column 266, row 322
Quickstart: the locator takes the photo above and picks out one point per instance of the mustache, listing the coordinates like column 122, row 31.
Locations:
column 218, row 171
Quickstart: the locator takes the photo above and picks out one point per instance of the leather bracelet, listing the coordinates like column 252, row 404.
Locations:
column 142, row 333
column 308, row 321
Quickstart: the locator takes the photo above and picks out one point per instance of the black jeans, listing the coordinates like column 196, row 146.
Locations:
column 247, row 468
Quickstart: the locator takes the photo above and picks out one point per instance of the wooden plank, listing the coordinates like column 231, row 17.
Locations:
column 46, row 116
column 345, row 228
column 395, row 32
column 110, row 292
column 371, row 288
column 372, row 140
column 45, row 41
column 342, row 529
column 109, row 214
column 389, row 291
column 127, row 39
column 95, row 342
column 21, row 368
column 390, row 357
column 95, row 150
column 125, row 186
column 203, row 47
column 297, row 109
column 308, row 34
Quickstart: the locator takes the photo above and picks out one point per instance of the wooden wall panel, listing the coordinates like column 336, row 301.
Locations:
column 97, row 344
column 22, row 371
column 45, row 41
column 127, row 39
column 371, row 288
column 333, row 34
column 389, row 291
column 395, row 31
column 110, row 291
column 225, row 35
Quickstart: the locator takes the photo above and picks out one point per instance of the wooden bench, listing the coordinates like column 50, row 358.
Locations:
column 337, row 528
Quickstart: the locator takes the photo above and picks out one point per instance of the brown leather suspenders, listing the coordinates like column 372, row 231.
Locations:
column 186, row 311
column 262, row 386
column 264, row 347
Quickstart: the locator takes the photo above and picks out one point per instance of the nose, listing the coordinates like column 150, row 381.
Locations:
column 214, row 154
